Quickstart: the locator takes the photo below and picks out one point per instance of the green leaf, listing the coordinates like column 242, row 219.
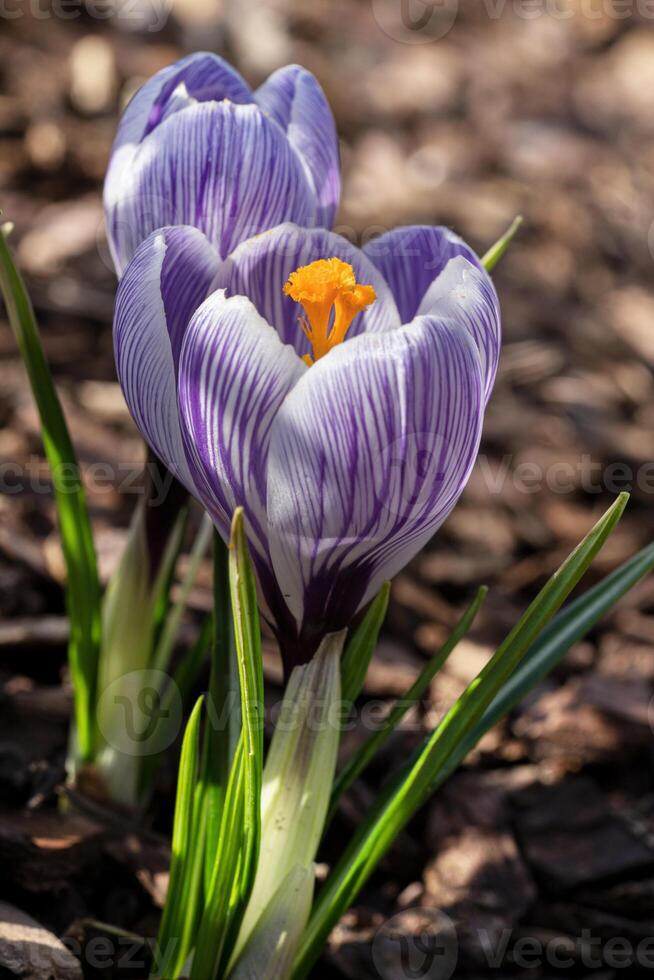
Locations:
column 566, row 629
column 269, row 952
column 408, row 791
column 361, row 646
column 297, row 776
column 247, row 635
column 496, row 251
column 223, row 899
column 366, row 752
column 224, row 704
column 237, row 849
column 82, row 585
column 181, row 911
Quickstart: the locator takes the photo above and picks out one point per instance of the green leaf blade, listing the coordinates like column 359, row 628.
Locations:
column 234, row 862
column 414, row 783
column 496, row 251
column 180, row 915
column 366, row 752
column 361, row 646
column 82, row 582
column 567, row 628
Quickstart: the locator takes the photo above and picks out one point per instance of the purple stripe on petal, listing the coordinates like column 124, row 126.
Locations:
column 259, row 268
column 204, row 77
column 234, row 373
column 369, row 453
column 169, row 276
column 224, row 168
column 295, row 100
column 411, row 257
column 200, row 77
column 465, row 293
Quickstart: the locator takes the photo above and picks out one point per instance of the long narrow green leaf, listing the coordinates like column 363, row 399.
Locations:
column 220, row 904
column 224, row 699
column 178, row 920
column 366, row 752
column 566, row 629
column 496, row 251
column 298, row 776
column 239, row 838
column 361, row 646
column 247, row 634
column 408, row 791
column 268, row 953
column 82, row 585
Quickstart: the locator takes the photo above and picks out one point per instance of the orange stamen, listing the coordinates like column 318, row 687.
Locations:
column 331, row 297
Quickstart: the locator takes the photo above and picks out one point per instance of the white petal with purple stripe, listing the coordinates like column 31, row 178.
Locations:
column 466, row 294
column 368, row 454
column 411, row 257
column 170, row 275
column 234, row 374
column 223, row 168
column 294, row 99
column 199, row 77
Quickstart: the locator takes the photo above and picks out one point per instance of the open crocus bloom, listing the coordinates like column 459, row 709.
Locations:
column 196, row 146
column 336, row 394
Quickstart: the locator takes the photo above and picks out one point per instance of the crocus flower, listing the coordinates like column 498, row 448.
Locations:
column 337, row 394
column 197, row 146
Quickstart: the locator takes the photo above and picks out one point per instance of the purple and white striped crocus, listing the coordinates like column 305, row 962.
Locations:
column 337, row 394
column 196, row 146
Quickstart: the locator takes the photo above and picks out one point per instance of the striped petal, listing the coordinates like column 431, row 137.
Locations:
column 295, row 100
column 170, row 275
column 466, row 294
column 234, row 374
column 258, row 269
column 369, row 453
column 223, row 168
column 411, row 257
column 199, row 77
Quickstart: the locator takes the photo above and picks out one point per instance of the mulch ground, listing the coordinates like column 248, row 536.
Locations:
column 547, row 834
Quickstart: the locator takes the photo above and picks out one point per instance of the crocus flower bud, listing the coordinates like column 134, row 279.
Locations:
column 196, row 146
